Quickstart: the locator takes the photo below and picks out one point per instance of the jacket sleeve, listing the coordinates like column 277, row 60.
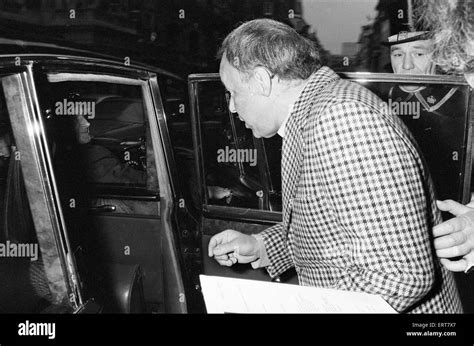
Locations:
column 104, row 167
column 375, row 183
column 276, row 248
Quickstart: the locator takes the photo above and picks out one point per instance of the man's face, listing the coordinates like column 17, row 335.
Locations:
column 82, row 130
column 412, row 58
column 253, row 108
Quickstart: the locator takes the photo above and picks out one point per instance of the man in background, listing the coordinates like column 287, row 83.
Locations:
column 437, row 110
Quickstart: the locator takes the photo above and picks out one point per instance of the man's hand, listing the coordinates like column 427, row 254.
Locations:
column 230, row 247
column 455, row 237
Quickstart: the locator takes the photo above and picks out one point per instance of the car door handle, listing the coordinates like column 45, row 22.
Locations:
column 104, row 208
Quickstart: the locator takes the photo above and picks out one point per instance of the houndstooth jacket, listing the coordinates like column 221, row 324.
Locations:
column 358, row 202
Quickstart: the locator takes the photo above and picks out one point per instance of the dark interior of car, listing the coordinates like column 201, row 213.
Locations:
column 109, row 195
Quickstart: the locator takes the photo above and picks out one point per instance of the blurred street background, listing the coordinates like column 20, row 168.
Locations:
column 182, row 36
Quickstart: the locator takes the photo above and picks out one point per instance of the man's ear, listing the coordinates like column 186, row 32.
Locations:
column 261, row 81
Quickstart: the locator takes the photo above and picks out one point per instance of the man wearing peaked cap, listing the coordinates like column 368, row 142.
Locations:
column 440, row 108
column 411, row 53
column 408, row 36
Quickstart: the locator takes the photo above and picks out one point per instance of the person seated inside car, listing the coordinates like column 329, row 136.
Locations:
column 433, row 112
column 100, row 165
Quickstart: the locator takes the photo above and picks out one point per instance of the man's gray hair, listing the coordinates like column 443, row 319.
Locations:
column 273, row 45
column 452, row 25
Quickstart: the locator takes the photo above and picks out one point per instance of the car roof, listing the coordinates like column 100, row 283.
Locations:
column 19, row 48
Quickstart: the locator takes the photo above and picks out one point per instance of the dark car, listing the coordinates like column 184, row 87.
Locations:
column 121, row 210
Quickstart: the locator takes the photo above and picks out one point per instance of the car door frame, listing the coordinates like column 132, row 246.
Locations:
column 235, row 213
column 244, row 219
column 175, row 296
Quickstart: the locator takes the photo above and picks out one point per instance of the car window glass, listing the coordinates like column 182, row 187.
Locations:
column 99, row 130
column 232, row 173
column 437, row 116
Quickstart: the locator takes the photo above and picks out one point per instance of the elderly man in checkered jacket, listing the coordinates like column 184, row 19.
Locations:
column 358, row 202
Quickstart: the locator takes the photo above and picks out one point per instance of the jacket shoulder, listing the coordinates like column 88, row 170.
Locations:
column 346, row 91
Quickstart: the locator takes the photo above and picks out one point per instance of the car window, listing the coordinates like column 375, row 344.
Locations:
column 232, row 165
column 438, row 117
column 99, row 133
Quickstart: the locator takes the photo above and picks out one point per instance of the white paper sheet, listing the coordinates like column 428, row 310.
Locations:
column 228, row 295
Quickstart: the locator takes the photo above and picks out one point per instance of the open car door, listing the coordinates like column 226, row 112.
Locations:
column 230, row 159
column 113, row 181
